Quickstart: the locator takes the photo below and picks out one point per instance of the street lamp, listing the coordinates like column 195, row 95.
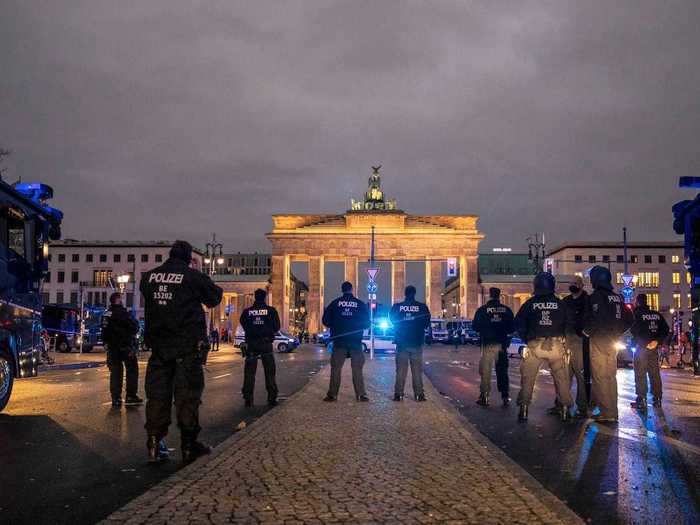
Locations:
column 122, row 280
column 214, row 255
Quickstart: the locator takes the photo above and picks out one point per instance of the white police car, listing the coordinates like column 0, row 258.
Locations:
column 515, row 349
column 283, row 342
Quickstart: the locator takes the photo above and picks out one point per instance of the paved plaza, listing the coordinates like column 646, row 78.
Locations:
column 348, row 462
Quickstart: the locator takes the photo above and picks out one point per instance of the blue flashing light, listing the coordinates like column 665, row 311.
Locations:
column 634, row 349
column 384, row 324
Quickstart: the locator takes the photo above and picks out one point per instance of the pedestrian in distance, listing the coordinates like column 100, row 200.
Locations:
column 176, row 332
column 494, row 323
column 261, row 323
column 214, row 340
column 347, row 318
column 410, row 318
column 649, row 331
column 118, row 332
column 541, row 323
column 605, row 320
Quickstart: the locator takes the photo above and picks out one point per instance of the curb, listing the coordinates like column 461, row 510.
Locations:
column 70, row 366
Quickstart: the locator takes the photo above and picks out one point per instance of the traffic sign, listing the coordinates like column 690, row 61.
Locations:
column 628, row 280
column 372, row 287
column 372, row 273
column 627, row 293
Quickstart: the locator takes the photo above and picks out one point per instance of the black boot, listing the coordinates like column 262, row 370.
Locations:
column 506, row 401
column 363, row 398
column 420, row 398
column 272, row 402
column 483, row 400
column 522, row 415
column 398, row 397
column 192, row 449
column 657, row 402
column 133, row 400
column 329, row 398
column 640, row 404
column 157, row 450
column 248, row 402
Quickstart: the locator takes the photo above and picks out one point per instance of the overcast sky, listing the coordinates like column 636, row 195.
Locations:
column 176, row 118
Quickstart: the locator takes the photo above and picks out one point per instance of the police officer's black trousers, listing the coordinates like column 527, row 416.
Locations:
column 118, row 361
column 357, row 360
column 251, row 367
column 502, row 379
column 182, row 379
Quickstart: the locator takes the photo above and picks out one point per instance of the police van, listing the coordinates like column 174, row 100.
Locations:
column 438, row 332
column 283, row 342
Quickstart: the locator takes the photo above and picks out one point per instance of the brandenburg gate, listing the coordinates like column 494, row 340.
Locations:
column 399, row 237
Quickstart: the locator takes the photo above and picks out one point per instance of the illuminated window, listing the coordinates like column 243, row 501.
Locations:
column 675, row 259
column 618, row 277
column 676, row 278
column 653, row 301
column 677, row 301
column 648, row 279
column 688, row 278
column 634, row 259
column 690, row 303
column 102, row 278
column 578, row 274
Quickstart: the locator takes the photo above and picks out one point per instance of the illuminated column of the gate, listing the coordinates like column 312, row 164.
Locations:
column 433, row 286
column 315, row 296
column 351, row 272
column 464, row 309
column 472, row 285
column 398, row 280
column 279, row 287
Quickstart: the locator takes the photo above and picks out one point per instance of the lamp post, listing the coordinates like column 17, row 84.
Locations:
column 213, row 255
column 213, row 258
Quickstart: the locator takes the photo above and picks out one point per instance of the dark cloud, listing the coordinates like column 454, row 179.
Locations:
column 163, row 119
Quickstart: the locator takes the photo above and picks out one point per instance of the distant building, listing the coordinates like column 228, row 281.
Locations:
column 657, row 266
column 246, row 264
column 90, row 269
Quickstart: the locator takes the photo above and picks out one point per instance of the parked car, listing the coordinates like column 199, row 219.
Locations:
column 515, row 349
column 382, row 343
column 625, row 351
column 283, row 341
column 322, row 338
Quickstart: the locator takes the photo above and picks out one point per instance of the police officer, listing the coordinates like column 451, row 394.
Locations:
column 118, row 331
column 261, row 323
column 494, row 322
column 347, row 318
column 541, row 323
column 176, row 332
column 410, row 319
column 575, row 304
column 605, row 320
column 648, row 331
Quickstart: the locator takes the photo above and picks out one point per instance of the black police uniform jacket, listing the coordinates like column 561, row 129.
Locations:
column 347, row 317
column 576, row 312
column 494, row 322
column 118, row 328
column 541, row 316
column 410, row 319
column 174, row 317
column 606, row 314
column 261, row 323
column 649, row 325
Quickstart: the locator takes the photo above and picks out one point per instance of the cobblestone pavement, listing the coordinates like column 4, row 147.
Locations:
column 348, row 462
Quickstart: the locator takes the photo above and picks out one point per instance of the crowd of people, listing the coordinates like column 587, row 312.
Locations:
column 576, row 337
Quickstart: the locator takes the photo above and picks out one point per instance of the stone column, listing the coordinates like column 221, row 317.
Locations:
column 279, row 288
column 398, row 280
column 315, row 296
column 462, row 296
column 470, row 283
column 351, row 272
column 433, row 287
